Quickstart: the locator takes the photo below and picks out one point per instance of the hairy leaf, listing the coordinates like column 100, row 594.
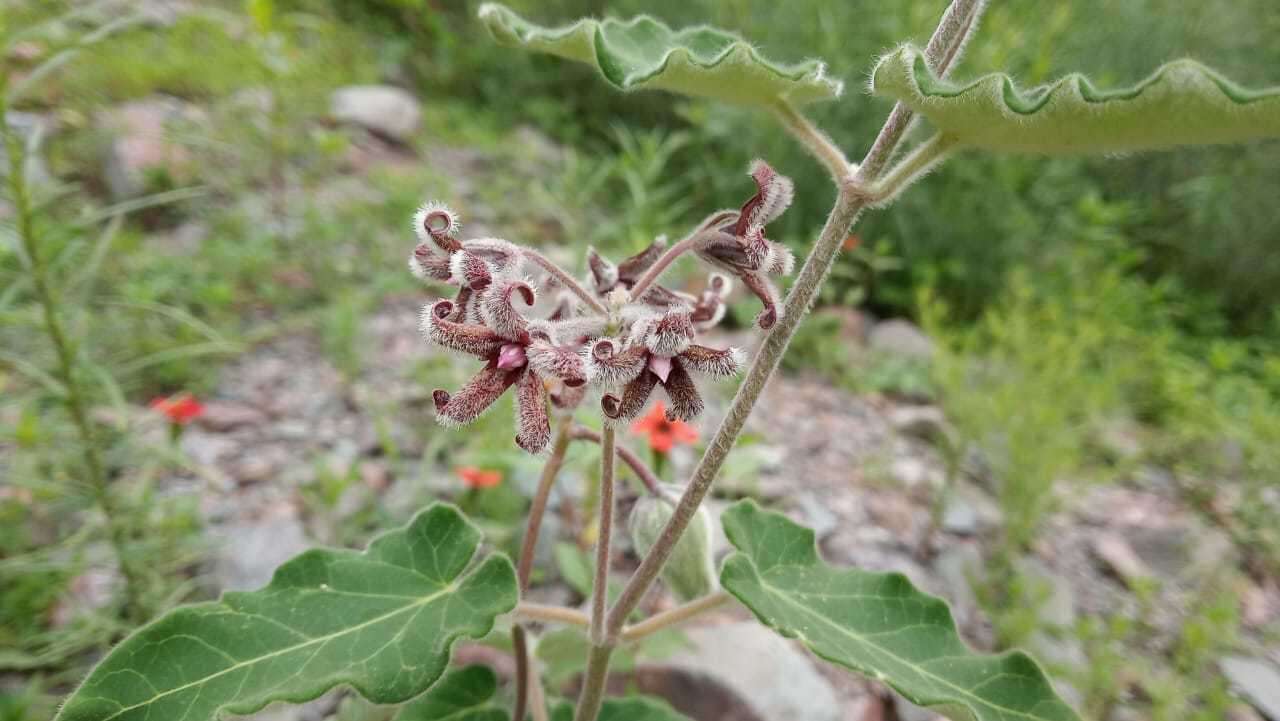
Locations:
column 1181, row 103
column 464, row 694
column 644, row 53
column 876, row 623
column 382, row 621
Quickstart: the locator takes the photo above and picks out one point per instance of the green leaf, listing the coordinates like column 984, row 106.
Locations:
column 643, row 53
column 1181, row 103
column 876, row 623
column 382, row 621
column 464, row 694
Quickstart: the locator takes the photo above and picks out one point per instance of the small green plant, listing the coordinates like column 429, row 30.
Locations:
column 383, row 621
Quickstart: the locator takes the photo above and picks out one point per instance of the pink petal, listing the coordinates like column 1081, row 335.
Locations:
column 661, row 366
column 511, row 356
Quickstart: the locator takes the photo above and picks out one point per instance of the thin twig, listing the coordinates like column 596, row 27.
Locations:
column 818, row 143
column 599, row 593
column 850, row 201
column 552, row 614
column 914, row 166
column 524, row 567
column 568, row 281
column 646, row 475
column 679, row 614
column 660, row 266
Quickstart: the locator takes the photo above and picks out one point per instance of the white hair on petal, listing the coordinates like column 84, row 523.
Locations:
column 452, row 226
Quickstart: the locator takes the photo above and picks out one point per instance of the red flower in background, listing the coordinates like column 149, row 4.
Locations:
column 180, row 408
column 478, row 478
column 664, row 434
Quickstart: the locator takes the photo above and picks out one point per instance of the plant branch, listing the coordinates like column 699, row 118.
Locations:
column 65, row 371
column 679, row 614
column 593, row 682
column 552, row 614
column 643, row 472
column 916, row 165
column 565, row 279
column 944, row 49
column 599, row 594
column 851, row 199
column 524, row 568
column 660, row 266
column 815, row 141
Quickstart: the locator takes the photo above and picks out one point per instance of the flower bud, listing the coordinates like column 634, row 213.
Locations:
column 689, row 572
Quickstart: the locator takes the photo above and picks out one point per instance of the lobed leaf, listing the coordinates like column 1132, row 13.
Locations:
column 383, row 621
column 643, row 53
column 1181, row 103
column 876, row 623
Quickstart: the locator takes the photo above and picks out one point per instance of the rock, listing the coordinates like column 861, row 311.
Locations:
column 1058, row 608
column 1184, row 550
column 750, row 660
column 924, row 422
column 142, row 149
column 901, row 338
column 1258, row 682
column 382, row 109
column 960, row 568
column 959, row 517
column 1119, row 558
column 853, row 324
column 817, row 516
column 222, row 416
column 250, row 551
column 968, row 511
column 913, row 472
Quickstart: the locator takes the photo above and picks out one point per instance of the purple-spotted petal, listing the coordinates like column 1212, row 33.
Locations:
column 533, row 426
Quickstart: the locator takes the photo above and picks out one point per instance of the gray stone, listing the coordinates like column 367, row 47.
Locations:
column 383, row 109
column 960, row 568
column 959, row 516
column 1119, row 558
column 914, row 472
column 142, row 145
column 901, row 338
column 817, row 516
column 766, row 671
column 925, row 422
column 1058, row 608
column 250, row 551
column 1255, row 680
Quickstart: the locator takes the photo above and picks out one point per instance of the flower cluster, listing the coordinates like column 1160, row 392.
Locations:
column 621, row 332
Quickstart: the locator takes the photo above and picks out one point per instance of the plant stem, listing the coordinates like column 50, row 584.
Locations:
column 524, row 568
column 852, row 197
column 637, row 466
column 663, row 262
column 562, row 275
column 599, row 593
column 74, row 393
column 679, row 614
column 552, row 614
column 816, row 141
column 918, row 162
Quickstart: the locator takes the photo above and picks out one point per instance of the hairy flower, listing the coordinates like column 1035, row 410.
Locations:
column 517, row 352
column 735, row 241
column 663, row 432
column 180, row 409
column 658, row 351
column 605, row 276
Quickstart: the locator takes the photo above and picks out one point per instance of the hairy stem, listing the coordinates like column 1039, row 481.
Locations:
column 914, row 166
column 565, row 279
column 816, row 141
column 664, row 261
column 552, row 614
column 679, row 614
column 853, row 196
column 524, row 568
column 637, row 466
column 593, row 683
column 74, row 394
column 599, row 593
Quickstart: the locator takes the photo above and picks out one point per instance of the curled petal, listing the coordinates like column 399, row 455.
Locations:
column 779, row 260
column 465, row 306
column 686, row 402
column 662, row 297
column 504, row 256
column 610, row 365
column 568, row 398
column 710, row 307
column 552, row 361
column 497, row 307
column 635, row 395
column 435, row 223
column 604, row 274
column 470, row 271
column 723, row 250
column 437, row 324
column 563, row 309
column 774, row 193
column 426, row 264
column 720, row 363
column 475, row 397
column 670, row 334
column 533, row 426
column 630, row 270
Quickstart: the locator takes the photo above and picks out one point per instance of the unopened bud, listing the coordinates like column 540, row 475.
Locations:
column 689, row 572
